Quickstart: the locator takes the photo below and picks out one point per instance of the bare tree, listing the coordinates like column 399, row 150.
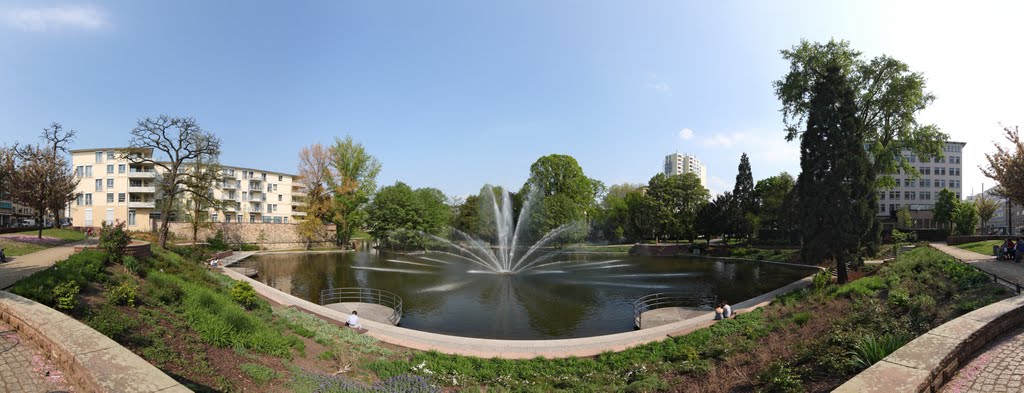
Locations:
column 41, row 181
column 1006, row 165
column 203, row 175
column 314, row 170
column 176, row 142
column 56, row 140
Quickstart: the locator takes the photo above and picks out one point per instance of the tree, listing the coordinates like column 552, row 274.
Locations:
column 314, row 171
column 743, row 192
column 711, row 217
column 399, row 208
column 353, row 180
column 7, row 171
column 944, row 205
column 964, row 218
column 563, row 195
column 176, row 143
column 613, row 213
column 835, row 182
column 903, row 218
column 61, row 182
column 770, row 196
column 642, row 223
column 986, row 208
column 887, row 100
column 204, row 175
column 1006, row 166
column 467, row 216
column 677, row 199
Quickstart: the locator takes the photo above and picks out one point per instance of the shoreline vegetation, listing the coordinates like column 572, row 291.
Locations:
column 201, row 327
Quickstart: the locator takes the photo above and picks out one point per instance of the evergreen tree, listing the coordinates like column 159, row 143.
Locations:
column 836, row 184
column 744, row 218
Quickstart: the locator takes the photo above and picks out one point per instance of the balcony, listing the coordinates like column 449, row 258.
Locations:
column 229, row 185
column 255, row 189
column 136, row 173
column 298, row 213
column 142, row 205
column 141, row 189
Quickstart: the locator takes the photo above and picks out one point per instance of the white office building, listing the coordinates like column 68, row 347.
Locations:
column 678, row 164
column 920, row 194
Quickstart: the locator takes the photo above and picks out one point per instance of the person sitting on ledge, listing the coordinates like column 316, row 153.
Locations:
column 718, row 312
column 3, row 258
column 353, row 320
column 726, row 309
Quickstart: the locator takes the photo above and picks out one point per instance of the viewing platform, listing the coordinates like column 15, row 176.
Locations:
column 371, row 304
column 663, row 308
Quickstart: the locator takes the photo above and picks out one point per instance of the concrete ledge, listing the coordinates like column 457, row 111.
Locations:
column 929, row 361
column 137, row 248
column 92, row 362
column 514, row 349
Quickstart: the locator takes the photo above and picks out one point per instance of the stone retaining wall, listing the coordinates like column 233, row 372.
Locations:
column 929, row 361
column 137, row 248
column 267, row 236
column 91, row 361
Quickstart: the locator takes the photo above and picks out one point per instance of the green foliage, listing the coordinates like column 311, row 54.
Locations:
column 162, row 288
column 773, row 202
column 399, row 207
column 113, row 240
column 867, row 286
column 81, row 268
column 965, row 276
column 65, row 295
column 258, row 372
column 131, row 264
column 676, row 200
column 331, row 336
column 982, row 247
column 113, row 323
column 779, row 378
column 800, row 318
column 217, row 242
column 352, row 181
column 123, row 294
column 964, row 218
column 870, row 349
column 944, row 206
column 821, row 279
column 243, row 293
column 246, row 247
column 561, row 194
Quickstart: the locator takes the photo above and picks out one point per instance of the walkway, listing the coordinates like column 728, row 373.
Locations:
column 998, row 368
column 24, row 366
column 23, row 266
column 1008, row 270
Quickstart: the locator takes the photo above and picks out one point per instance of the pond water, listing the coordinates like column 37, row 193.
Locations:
column 587, row 295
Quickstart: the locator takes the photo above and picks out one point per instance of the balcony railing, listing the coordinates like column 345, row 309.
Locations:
column 141, row 173
column 142, row 205
column 142, row 189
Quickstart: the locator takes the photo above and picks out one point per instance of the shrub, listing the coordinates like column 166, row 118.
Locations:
column 964, row 276
column 801, row 318
column 65, row 295
column 246, row 247
column 82, row 268
column 867, row 286
column 779, row 378
column 870, row 350
column 217, row 242
column 131, row 264
column 244, row 294
column 899, row 298
column 113, row 240
column 122, row 295
column 162, row 288
column 258, row 372
column 112, row 322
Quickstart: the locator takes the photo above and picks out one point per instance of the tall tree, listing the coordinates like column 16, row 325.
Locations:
column 743, row 192
column 887, row 99
column 986, row 207
column 643, row 211
column 835, row 183
column 314, row 172
column 352, row 182
column 964, row 218
column 57, row 140
column 176, row 142
column 7, row 170
column 770, row 196
column 203, row 176
column 1006, row 166
column 398, row 208
column 563, row 195
column 613, row 217
column 944, row 205
column 678, row 198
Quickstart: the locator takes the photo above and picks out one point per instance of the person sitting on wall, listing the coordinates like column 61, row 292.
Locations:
column 719, row 311
column 3, row 258
column 726, row 309
column 353, row 320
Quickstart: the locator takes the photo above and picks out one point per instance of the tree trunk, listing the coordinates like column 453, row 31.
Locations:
column 163, row 232
column 841, row 275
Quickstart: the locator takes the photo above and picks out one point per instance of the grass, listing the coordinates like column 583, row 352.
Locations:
column 775, row 254
column 13, row 249
column 983, row 247
column 612, row 248
column 258, row 372
column 69, row 235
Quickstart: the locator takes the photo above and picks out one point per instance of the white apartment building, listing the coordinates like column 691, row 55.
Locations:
column 678, row 164
column 113, row 189
column 920, row 194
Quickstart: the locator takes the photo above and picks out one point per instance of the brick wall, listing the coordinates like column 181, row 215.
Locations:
column 267, row 236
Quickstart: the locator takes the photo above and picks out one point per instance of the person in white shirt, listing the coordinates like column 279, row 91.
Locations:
column 726, row 309
column 353, row 320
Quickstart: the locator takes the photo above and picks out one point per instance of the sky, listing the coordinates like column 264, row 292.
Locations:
column 457, row 94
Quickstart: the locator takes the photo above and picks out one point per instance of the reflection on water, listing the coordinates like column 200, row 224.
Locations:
column 584, row 295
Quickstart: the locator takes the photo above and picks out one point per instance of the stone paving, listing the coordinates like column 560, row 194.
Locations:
column 24, row 367
column 1008, row 270
column 23, row 266
column 998, row 368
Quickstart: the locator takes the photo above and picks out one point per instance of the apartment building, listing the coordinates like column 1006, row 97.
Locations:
column 678, row 164
column 111, row 188
column 920, row 194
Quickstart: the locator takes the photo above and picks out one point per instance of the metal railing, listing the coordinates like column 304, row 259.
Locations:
column 655, row 301
column 364, row 295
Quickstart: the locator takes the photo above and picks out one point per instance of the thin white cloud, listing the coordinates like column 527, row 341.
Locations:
column 657, row 84
column 41, row 19
column 722, row 140
column 686, row 134
column 717, row 185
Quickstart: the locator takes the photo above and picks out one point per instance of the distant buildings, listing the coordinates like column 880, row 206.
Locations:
column 921, row 194
column 113, row 189
column 678, row 164
column 997, row 225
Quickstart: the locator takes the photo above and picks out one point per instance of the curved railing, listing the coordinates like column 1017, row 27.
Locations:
column 364, row 295
column 655, row 301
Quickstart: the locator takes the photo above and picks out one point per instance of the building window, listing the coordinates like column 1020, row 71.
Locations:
column 88, row 171
column 279, row 197
column 99, row 157
column 120, row 197
column 99, row 184
column 78, row 199
column 110, row 197
column 908, row 183
column 88, row 199
column 110, row 155
column 110, row 168
column 881, row 209
column 120, row 168
column 78, row 171
column 213, row 217
column 110, row 183
column 131, row 218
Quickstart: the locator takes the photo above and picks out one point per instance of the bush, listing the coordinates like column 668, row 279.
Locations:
column 258, row 372
column 217, row 242
column 162, row 288
column 112, row 322
column 65, row 295
column 246, row 247
column 113, row 240
column 131, row 264
column 244, row 294
column 964, row 276
column 81, row 268
column 122, row 295
column 779, row 378
column 870, row 350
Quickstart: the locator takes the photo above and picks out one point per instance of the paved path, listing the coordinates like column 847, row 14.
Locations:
column 1006, row 269
column 24, row 367
column 23, row 266
column 999, row 367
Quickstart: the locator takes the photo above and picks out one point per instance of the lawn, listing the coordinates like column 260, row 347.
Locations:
column 14, row 248
column 69, row 235
column 27, row 242
column 982, row 247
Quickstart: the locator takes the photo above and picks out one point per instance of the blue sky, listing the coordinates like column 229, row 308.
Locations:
column 455, row 94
